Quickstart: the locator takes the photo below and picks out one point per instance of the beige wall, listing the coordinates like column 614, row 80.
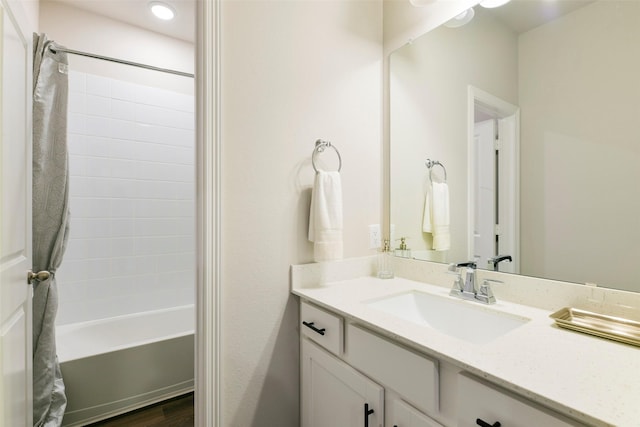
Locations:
column 404, row 22
column 579, row 97
column 428, row 117
column 84, row 31
column 292, row 72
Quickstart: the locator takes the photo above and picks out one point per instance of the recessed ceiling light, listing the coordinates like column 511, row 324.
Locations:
column 489, row 4
column 162, row 10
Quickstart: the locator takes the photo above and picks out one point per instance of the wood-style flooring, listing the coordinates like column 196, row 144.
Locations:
column 176, row 412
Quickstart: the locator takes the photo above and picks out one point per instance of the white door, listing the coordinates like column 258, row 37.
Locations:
column 336, row 395
column 401, row 414
column 485, row 197
column 15, row 218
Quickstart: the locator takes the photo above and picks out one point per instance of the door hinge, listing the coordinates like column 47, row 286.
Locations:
column 496, row 229
column 497, row 144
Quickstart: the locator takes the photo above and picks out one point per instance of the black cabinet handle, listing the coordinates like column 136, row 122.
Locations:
column 483, row 423
column 310, row 325
column 367, row 412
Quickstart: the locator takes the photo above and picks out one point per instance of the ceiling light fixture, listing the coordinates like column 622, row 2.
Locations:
column 162, row 10
column 461, row 19
column 490, row 4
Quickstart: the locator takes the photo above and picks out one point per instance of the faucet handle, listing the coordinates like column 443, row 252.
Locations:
column 470, row 264
column 485, row 294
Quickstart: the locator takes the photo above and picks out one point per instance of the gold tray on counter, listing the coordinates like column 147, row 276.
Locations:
column 610, row 327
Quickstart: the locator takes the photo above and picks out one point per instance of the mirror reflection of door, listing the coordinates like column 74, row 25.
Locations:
column 485, row 238
column 493, row 198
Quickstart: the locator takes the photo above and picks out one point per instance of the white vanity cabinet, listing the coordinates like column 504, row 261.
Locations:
column 483, row 404
column 334, row 394
column 346, row 390
column 400, row 414
column 347, row 371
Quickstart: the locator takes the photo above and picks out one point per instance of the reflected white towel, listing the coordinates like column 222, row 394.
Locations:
column 436, row 215
column 325, row 217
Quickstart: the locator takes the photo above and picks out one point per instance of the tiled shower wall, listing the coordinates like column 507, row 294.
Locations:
column 131, row 155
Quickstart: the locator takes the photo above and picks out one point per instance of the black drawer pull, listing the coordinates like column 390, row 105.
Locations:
column 310, row 325
column 483, row 423
column 367, row 412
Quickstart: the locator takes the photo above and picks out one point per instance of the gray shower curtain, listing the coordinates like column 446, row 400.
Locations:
column 50, row 223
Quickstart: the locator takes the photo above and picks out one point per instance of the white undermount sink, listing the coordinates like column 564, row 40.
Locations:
column 467, row 321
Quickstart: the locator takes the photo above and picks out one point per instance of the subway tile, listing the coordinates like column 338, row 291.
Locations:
column 123, row 188
column 124, row 90
column 76, row 123
column 122, row 246
column 160, row 116
column 122, row 208
column 121, row 227
column 98, row 126
column 123, row 110
column 91, row 207
column 98, row 106
column 125, row 169
column 98, row 85
column 77, row 165
column 79, row 186
column 76, row 248
column 124, row 130
column 153, row 218
column 177, row 262
column 165, row 135
column 148, row 227
column 98, row 167
column 77, row 81
column 98, row 146
column 182, row 102
column 150, row 95
column 98, row 248
column 77, row 102
column 165, row 172
column 77, row 144
column 97, row 228
column 134, row 266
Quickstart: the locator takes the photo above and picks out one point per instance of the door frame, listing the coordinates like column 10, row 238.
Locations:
column 208, row 209
column 509, row 168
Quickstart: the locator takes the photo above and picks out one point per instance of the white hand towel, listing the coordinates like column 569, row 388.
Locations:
column 325, row 217
column 436, row 215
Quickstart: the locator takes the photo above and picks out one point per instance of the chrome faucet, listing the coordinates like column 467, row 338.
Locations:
column 494, row 261
column 466, row 289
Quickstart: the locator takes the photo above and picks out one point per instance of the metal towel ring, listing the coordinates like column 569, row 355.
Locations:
column 320, row 147
column 430, row 164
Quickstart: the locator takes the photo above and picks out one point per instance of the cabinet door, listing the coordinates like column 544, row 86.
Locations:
column 487, row 403
column 336, row 395
column 401, row 414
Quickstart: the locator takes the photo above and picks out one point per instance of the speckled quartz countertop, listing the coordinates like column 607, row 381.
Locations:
column 592, row 380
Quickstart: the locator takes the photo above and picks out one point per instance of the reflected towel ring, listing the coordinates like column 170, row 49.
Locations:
column 430, row 164
column 320, row 147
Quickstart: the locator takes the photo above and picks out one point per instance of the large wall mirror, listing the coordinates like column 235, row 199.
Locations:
column 555, row 88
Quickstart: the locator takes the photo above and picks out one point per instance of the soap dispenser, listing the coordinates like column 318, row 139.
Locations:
column 403, row 251
column 385, row 270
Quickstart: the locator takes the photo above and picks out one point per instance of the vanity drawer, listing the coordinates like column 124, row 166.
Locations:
column 487, row 402
column 323, row 327
column 412, row 375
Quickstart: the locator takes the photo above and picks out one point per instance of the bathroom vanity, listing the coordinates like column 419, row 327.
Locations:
column 368, row 359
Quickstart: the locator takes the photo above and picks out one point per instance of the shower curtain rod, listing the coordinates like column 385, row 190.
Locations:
column 119, row 61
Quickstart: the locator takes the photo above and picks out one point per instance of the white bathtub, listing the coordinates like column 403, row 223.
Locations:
column 116, row 365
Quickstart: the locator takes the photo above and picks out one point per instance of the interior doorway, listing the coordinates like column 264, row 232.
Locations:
column 493, row 186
